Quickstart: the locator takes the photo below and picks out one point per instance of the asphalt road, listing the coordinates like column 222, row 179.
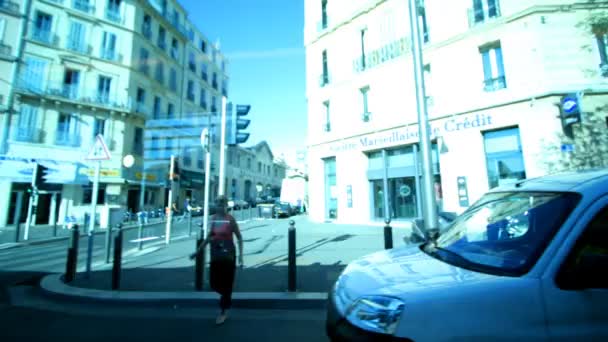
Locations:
column 35, row 318
column 51, row 256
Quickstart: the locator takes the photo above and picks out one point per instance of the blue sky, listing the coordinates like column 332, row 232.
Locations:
column 263, row 40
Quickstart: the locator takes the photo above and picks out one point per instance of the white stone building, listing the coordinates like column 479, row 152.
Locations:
column 494, row 72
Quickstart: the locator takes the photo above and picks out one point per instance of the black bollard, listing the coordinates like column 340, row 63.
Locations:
column 117, row 262
column 388, row 237
column 55, row 227
column 72, row 259
column 17, row 231
column 291, row 258
column 199, row 262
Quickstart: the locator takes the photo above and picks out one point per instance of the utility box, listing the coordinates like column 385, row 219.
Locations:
column 265, row 210
column 115, row 216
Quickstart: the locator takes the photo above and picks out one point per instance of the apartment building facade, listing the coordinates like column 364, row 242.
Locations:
column 89, row 67
column 253, row 172
column 495, row 72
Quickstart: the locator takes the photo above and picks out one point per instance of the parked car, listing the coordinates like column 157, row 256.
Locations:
column 283, row 209
column 526, row 262
column 199, row 210
column 237, row 204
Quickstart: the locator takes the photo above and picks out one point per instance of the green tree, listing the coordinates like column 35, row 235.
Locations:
column 590, row 135
column 590, row 145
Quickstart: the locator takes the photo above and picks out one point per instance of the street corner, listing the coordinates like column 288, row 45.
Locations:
column 53, row 287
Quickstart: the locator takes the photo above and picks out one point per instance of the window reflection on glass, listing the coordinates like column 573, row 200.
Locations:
column 331, row 189
column 504, row 157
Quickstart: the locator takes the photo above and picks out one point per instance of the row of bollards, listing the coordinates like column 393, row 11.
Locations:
column 72, row 256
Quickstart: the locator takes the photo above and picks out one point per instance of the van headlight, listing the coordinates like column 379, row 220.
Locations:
column 376, row 313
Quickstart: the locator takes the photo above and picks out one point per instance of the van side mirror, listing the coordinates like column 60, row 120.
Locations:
column 586, row 273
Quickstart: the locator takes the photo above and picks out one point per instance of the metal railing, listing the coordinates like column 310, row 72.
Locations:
column 83, row 5
column 44, row 36
column 79, row 47
column 146, row 30
column 73, row 92
column 111, row 55
column 113, row 15
column 6, row 50
column 63, row 138
column 9, row 6
column 141, row 108
column 144, row 68
column 28, row 134
column 495, row 84
column 174, row 53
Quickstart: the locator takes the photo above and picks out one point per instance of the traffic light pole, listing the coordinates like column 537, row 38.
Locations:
column 430, row 207
column 92, row 217
column 32, row 203
column 170, row 205
column 222, row 184
column 207, row 147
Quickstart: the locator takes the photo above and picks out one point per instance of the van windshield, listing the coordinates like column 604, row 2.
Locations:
column 504, row 233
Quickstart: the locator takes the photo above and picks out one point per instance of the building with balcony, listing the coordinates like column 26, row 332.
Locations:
column 97, row 67
column 494, row 72
column 10, row 23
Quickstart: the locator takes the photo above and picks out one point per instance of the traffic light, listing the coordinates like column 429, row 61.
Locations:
column 570, row 113
column 234, row 124
column 39, row 182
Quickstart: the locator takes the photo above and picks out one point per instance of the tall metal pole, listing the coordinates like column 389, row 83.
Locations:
column 429, row 207
column 220, row 190
column 92, row 218
column 31, row 204
column 142, row 203
column 170, row 211
column 207, row 149
column 387, row 209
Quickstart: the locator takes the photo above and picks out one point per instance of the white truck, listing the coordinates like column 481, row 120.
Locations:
column 293, row 191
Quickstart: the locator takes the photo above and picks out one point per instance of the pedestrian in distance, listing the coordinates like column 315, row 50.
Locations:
column 220, row 236
column 187, row 209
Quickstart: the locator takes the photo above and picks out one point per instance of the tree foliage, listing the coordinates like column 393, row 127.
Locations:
column 590, row 145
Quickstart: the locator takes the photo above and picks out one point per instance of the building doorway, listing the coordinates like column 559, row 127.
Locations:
column 404, row 182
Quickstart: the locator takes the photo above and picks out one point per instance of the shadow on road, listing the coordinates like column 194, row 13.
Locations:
column 302, row 250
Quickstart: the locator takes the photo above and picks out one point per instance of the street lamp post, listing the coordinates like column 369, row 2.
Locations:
column 429, row 208
column 170, row 211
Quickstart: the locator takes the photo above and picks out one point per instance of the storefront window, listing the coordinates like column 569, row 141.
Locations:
column 331, row 189
column 403, row 197
column 504, row 157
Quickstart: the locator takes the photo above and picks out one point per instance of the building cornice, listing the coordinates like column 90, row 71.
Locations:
column 481, row 108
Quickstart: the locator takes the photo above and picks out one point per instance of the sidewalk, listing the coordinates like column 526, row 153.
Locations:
column 323, row 250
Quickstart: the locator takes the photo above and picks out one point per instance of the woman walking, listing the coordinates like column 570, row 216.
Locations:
column 223, row 255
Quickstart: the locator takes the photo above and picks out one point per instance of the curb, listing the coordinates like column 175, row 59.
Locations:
column 53, row 286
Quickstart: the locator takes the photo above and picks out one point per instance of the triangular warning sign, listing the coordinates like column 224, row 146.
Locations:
column 99, row 151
